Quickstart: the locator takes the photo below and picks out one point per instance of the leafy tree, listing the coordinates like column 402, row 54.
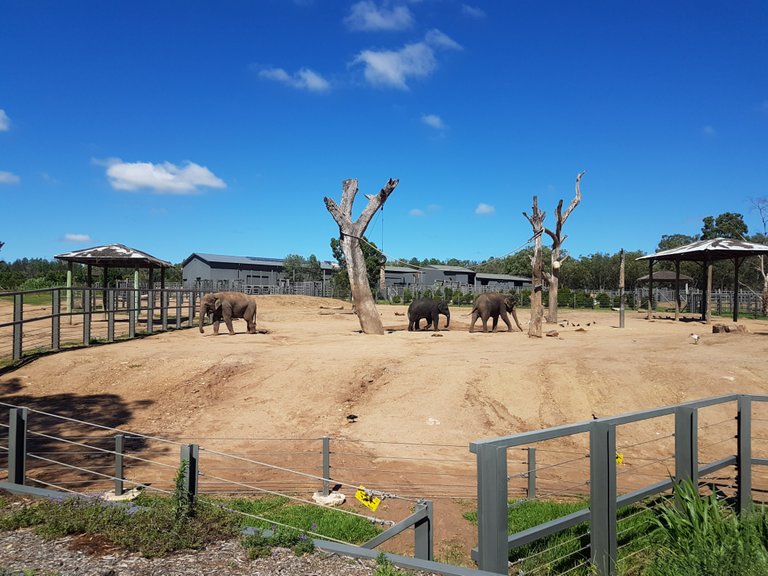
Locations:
column 372, row 256
column 669, row 241
column 726, row 225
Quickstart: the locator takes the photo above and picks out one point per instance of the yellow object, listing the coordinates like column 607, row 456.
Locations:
column 619, row 458
column 368, row 500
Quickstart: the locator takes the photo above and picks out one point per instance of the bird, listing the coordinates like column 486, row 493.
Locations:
column 695, row 338
column 351, row 418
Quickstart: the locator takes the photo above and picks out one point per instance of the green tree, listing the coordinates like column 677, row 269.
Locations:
column 373, row 260
column 726, row 225
column 669, row 241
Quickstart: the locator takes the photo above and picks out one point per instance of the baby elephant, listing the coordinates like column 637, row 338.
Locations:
column 225, row 306
column 430, row 310
column 493, row 305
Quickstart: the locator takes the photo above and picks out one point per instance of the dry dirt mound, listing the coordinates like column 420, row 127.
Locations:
column 314, row 369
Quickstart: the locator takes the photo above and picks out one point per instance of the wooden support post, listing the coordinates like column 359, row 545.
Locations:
column 708, row 315
column 621, row 289
column 650, row 289
column 677, row 290
column 736, row 263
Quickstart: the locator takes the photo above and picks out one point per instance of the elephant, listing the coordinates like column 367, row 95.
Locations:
column 493, row 305
column 228, row 305
column 430, row 310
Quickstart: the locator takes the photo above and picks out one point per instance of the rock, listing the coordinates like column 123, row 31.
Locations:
column 553, row 334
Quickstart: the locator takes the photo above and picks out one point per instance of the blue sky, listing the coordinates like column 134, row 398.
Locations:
column 190, row 126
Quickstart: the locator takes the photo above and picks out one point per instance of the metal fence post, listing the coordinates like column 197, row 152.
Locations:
column 119, row 469
column 133, row 306
column 492, row 506
column 423, row 536
column 86, row 317
column 17, row 446
column 326, row 463
column 110, row 304
column 191, row 314
column 531, row 473
column 179, row 298
column 602, row 483
column 150, row 310
column 687, row 444
column 164, row 301
column 18, row 325
column 744, row 455
column 56, row 319
column 190, row 453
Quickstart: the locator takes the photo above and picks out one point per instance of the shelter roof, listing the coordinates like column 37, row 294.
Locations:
column 115, row 255
column 714, row 249
column 664, row 276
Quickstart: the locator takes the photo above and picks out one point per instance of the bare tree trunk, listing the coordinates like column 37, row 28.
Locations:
column 537, row 309
column 764, row 274
column 351, row 234
column 553, row 277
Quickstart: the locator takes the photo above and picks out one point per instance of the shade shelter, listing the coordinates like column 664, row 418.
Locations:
column 114, row 256
column 706, row 252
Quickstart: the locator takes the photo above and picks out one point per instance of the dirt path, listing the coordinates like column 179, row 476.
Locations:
column 416, row 395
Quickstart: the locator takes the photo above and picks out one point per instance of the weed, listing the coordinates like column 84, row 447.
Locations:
column 384, row 567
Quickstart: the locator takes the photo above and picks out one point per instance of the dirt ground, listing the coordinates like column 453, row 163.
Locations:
column 437, row 391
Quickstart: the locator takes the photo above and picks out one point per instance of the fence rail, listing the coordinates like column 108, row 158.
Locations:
column 51, row 319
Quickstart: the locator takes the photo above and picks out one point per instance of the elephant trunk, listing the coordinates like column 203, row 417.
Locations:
column 447, row 319
column 514, row 315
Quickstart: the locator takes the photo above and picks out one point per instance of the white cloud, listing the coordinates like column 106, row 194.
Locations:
column 366, row 15
column 416, row 212
column 77, row 238
column 472, row 11
column 5, row 122
column 304, row 79
column 392, row 68
column 708, row 131
column 8, row 178
column 433, row 120
column 165, row 178
column 483, row 209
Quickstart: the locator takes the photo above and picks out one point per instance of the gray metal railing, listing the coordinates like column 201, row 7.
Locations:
column 494, row 541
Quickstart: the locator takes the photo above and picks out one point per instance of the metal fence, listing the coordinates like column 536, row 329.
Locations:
column 707, row 441
column 58, row 456
column 609, row 465
column 46, row 320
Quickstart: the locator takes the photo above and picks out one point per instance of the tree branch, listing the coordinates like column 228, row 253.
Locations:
column 336, row 212
column 376, row 202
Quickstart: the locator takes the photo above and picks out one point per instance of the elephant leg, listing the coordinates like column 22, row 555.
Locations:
column 505, row 317
column 485, row 323
column 495, row 322
column 435, row 320
column 473, row 321
column 228, row 322
column 410, row 325
column 216, row 327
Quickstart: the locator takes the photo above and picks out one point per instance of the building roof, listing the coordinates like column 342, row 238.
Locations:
column 403, row 269
column 246, row 260
column 114, row 255
column 450, row 268
column 507, row 277
column 715, row 249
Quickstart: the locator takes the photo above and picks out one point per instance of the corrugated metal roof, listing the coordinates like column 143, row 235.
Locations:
column 481, row 275
column 247, row 260
column 450, row 268
column 115, row 255
column 715, row 249
column 399, row 269
column 664, row 276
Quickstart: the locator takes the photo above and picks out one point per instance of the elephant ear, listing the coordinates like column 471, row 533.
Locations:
column 217, row 304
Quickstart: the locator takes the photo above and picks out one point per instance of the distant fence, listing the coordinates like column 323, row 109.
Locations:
column 50, row 319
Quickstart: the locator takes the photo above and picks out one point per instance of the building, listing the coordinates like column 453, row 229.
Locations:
column 249, row 274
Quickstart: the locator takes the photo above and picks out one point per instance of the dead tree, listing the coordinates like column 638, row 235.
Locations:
column 553, row 277
column 351, row 233
column 537, row 309
column 761, row 205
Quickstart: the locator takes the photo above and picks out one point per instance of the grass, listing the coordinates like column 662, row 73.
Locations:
column 32, row 298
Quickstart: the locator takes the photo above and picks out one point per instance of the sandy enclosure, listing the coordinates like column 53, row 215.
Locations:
column 419, row 398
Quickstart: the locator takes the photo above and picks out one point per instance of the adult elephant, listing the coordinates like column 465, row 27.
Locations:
column 493, row 305
column 430, row 310
column 228, row 305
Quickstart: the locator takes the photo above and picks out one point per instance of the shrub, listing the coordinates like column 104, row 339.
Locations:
column 407, row 296
column 396, row 299
column 564, row 297
column 603, row 300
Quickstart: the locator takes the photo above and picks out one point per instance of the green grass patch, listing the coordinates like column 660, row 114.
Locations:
column 33, row 298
